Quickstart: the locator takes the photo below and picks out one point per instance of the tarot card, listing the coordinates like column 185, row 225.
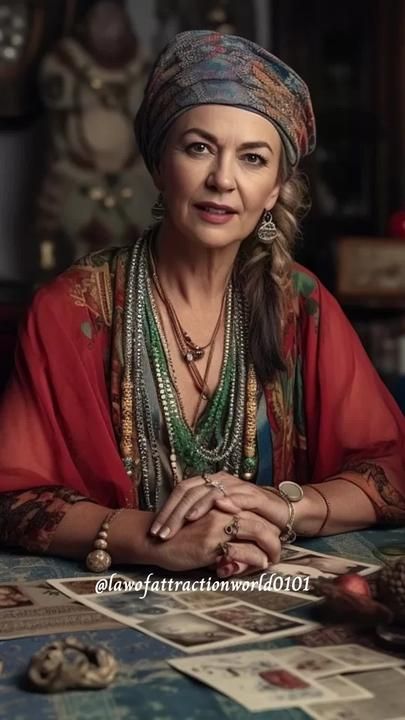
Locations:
column 345, row 689
column 316, row 565
column 387, row 687
column 254, row 680
column 191, row 632
column 255, row 620
column 357, row 657
column 309, row 662
column 168, row 618
column 35, row 608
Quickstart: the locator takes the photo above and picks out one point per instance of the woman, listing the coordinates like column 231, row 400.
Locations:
column 183, row 379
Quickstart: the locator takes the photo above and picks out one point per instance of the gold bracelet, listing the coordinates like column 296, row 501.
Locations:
column 288, row 535
column 99, row 560
column 328, row 509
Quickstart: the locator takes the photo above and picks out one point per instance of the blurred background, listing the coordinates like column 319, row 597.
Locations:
column 72, row 74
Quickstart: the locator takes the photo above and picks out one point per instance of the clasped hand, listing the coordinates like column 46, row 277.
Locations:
column 261, row 517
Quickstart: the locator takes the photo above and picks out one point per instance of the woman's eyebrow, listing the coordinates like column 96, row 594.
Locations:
column 244, row 146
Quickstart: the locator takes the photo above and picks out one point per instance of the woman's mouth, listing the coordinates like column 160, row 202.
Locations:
column 215, row 213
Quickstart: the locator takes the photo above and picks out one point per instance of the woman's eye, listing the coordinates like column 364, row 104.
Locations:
column 255, row 159
column 198, row 148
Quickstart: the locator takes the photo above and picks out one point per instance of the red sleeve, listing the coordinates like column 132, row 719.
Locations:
column 29, row 518
column 55, row 419
column 355, row 429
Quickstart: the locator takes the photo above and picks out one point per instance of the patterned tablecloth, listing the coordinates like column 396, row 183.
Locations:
column 146, row 687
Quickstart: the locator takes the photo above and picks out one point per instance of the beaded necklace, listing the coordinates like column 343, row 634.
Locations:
column 225, row 436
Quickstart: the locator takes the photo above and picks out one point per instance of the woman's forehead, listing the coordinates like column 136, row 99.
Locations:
column 226, row 123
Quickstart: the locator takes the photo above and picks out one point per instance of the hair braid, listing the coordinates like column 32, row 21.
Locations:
column 265, row 270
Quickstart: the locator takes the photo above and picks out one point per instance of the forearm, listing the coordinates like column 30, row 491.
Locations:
column 58, row 521
column 29, row 518
column 347, row 507
column 129, row 541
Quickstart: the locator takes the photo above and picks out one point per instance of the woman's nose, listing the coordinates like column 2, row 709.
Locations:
column 222, row 175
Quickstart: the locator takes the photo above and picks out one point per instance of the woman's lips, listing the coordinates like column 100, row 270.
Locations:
column 214, row 215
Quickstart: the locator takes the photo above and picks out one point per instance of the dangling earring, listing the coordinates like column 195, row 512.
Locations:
column 158, row 209
column 267, row 231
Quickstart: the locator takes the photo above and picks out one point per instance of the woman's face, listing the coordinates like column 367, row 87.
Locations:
column 218, row 172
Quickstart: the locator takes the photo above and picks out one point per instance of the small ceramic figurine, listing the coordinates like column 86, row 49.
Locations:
column 67, row 664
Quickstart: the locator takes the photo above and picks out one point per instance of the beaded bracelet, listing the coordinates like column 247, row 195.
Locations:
column 328, row 509
column 99, row 560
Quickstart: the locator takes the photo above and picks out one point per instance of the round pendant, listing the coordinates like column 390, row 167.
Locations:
column 189, row 356
column 98, row 561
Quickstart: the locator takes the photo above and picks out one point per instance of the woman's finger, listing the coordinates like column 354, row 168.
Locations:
column 213, row 499
column 200, row 494
column 177, row 498
column 264, row 534
column 234, row 502
column 247, row 553
column 239, row 569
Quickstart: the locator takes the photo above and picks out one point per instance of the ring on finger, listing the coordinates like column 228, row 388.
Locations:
column 213, row 483
column 223, row 548
column 232, row 528
column 218, row 486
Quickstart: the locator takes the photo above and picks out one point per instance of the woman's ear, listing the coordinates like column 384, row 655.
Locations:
column 273, row 197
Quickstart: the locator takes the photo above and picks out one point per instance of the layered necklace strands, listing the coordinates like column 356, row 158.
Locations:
column 189, row 351
column 223, row 439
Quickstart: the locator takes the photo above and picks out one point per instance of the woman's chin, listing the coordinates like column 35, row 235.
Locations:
column 215, row 238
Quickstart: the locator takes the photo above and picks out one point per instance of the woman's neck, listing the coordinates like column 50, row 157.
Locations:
column 192, row 274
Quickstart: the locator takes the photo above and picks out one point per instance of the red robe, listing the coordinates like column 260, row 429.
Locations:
column 329, row 412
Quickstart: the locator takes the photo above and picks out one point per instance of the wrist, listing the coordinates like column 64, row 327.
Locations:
column 129, row 539
column 310, row 513
column 273, row 506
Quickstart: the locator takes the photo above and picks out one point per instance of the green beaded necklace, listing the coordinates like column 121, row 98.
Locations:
column 218, row 441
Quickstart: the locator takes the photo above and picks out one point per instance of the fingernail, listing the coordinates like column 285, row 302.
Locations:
column 191, row 514
column 164, row 533
column 265, row 564
column 155, row 528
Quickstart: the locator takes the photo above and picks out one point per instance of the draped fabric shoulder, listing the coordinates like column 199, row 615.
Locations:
column 55, row 417
column 330, row 413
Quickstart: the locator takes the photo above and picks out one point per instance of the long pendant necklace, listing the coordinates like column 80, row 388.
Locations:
column 233, row 403
column 189, row 351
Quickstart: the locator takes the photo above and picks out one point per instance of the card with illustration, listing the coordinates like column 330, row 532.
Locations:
column 256, row 620
column 302, row 562
column 308, row 661
column 254, row 679
column 357, row 657
column 347, row 692
column 35, row 608
column 387, row 702
column 210, row 619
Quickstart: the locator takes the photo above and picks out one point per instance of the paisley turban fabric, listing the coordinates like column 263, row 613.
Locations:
column 201, row 67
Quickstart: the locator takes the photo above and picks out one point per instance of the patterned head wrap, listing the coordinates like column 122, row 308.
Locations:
column 201, row 67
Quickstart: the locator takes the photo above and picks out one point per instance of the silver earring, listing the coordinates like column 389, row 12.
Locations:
column 158, row 209
column 267, row 231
